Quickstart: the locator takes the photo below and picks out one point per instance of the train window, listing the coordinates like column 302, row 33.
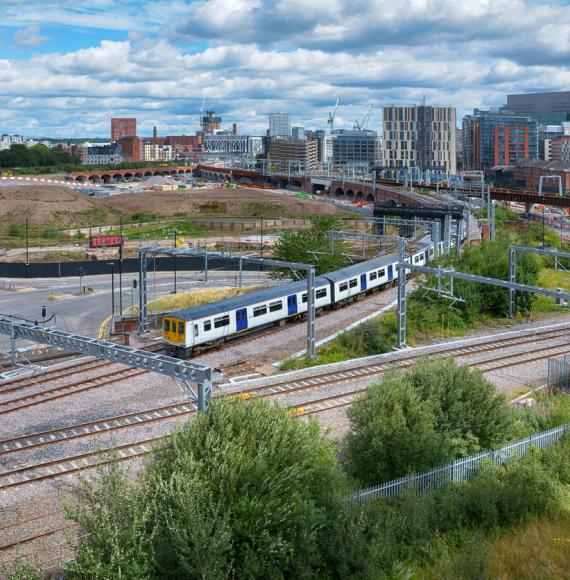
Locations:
column 181, row 328
column 260, row 310
column 196, row 330
column 342, row 287
column 321, row 293
column 274, row 306
column 304, row 297
column 166, row 325
column 222, row 321
column 207, row 325
column 381, row 273
column 373, row 276
column 417, row 259
column 353, row 282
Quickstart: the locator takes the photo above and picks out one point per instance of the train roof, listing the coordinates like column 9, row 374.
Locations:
column 255, row 297
column 360, row 268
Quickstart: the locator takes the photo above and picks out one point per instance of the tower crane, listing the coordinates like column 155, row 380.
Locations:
column 332, row 115
column 202, row 111
column 362, row 126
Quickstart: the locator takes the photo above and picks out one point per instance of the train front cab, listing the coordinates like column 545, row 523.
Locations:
column 174, row 332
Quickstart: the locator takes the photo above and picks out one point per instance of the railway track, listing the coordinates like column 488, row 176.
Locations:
column 70, row 465
column 86, row 461
column 370, row 369
column 81, row 386
column 345, row 399
column 52, row 375
column 53, row 436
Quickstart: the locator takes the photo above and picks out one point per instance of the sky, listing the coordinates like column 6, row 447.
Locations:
column 67, row 66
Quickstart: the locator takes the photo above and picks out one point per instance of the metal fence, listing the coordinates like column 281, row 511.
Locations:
column 559, row 373
column 459, row 470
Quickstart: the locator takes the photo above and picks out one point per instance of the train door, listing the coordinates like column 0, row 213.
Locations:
column 390, row 272
column 241, row 319
column 363, row 282
column 292, row 304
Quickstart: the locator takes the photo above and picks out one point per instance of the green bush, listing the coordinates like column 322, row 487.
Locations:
column 392, row 417
column 143, row 216
column 434, row 412
column 244, row 491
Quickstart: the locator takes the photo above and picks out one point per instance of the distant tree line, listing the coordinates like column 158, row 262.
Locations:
column 36, row 156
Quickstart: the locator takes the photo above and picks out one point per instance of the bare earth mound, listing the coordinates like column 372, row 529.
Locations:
column 42, row 204
column 223, row 202
column 60, row 207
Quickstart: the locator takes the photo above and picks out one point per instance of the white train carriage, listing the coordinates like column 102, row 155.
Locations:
column 216, row 321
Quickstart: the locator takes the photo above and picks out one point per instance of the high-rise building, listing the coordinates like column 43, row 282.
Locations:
column 546, row 108
column 210, row 122
column 560, row 149
column 545, row 135
column 354, row 147
column 298, row 133
column 299, row 150
column 123, row 127
column 420, row 136
column 280, row 125
column 492, row 138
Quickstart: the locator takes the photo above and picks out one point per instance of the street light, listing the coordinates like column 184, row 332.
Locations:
column 112, row 264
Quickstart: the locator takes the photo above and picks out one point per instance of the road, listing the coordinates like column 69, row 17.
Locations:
column 83, row 314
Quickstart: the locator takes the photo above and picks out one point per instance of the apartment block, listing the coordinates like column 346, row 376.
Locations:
column 420, row 136
column 123, row 127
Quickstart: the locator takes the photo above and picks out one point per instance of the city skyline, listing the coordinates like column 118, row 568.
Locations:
column 67, row 67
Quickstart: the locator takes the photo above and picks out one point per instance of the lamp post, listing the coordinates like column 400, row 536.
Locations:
column 175, row 288
column 112, row 264
column 543, row 207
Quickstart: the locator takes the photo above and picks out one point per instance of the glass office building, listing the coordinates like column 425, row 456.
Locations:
column 493, row 139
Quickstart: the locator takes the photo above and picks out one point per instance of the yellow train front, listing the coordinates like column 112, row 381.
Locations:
column 174, row 334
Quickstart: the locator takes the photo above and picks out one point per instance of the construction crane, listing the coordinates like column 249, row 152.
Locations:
column 202, row 111
column 362, row 126
column 332, row 115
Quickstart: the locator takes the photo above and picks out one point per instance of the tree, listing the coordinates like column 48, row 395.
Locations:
column 311, row 246
column 393, row 432
column 244, row 491
column 466, row 405
column 411, row 422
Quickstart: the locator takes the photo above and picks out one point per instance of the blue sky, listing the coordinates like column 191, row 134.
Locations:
column 67, row 66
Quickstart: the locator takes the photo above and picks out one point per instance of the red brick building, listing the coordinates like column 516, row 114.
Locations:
column 123, row 127
column 132, row 148
column 527, row 173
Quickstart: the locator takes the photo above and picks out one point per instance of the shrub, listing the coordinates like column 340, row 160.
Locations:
column 245, row 490
column 393, row 432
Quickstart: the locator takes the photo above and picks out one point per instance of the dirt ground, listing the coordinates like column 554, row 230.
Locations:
column 42, row 205
column 221, row 202
column 61, row 207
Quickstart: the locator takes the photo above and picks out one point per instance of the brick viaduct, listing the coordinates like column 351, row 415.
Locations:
column 109, row 176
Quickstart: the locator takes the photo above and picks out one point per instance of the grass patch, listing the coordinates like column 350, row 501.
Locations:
column 196, row 298
column 213, row 207
column 260, row 209
column 161, row 231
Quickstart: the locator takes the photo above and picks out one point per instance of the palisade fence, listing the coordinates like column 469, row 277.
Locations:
column 459, row 470
column 559, row 373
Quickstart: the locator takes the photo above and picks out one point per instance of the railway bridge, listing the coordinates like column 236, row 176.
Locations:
column 114, row 175
column 365, row 191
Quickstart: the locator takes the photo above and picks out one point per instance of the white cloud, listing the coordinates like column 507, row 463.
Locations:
column 251, row 57
column 30, row 36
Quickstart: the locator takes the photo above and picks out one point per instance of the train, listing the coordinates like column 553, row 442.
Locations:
column 214, row 323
